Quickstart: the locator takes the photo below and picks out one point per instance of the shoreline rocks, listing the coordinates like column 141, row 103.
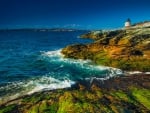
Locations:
column 119, row 94
column 127, row 49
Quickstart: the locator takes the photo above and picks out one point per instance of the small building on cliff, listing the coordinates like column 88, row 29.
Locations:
column 127, row 23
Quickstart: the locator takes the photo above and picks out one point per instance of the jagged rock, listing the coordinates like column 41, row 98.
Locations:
column 127, row 49
column 120, row 94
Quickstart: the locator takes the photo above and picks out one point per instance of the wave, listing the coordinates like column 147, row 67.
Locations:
column 43, row 83
column 63, row 73
column 50, row 83
column 85, row 66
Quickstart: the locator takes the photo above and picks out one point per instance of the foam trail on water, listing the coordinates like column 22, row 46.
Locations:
column 44, row 83
column 62, row 73
column 82, row 64
column 57, row 84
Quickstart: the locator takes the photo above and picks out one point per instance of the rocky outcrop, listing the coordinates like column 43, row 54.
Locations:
column 127, row 49
column 128, row 94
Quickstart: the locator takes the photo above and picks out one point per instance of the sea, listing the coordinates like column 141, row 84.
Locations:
column 31, row 61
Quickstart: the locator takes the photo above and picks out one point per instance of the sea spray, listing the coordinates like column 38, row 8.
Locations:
column 32, row 62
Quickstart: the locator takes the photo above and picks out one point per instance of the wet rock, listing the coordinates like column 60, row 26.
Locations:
column 126, row 49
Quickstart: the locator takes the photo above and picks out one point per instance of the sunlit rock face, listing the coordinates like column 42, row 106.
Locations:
column 127, row 49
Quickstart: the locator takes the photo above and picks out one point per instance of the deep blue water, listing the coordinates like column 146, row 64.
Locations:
column 31, row 61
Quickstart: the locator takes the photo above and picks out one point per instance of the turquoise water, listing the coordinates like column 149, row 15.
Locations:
column 31, row 61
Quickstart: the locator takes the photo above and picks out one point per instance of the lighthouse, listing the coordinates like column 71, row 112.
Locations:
column 127, row 23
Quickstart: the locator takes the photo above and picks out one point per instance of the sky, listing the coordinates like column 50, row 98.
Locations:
column 81, row 14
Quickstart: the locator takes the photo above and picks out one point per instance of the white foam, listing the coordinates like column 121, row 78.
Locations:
column 112, row 72
column 59, row 57
column 56, row 56
column 58, row 80
column 48, row 83
column 147, row 73
column 44, row 83
column 52, row 53
column 134, row 72
column 46, row 87
column 83, row 64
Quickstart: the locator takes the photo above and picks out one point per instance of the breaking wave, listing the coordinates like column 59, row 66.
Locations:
column 63, row 73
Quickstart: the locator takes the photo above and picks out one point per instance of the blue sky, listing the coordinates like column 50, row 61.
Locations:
column 83, row 14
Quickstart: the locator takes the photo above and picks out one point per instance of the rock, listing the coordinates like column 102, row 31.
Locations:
column 121, row 94
column 127, row 49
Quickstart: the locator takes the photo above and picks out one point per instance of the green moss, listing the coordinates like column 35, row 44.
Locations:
column 36, row 98
column 105, row 109
column 7, row 109
column 120, row 95
column 80, row 95
column 53, row 108
column 32, row 99
column 124, row 49
column 101, row 58
column 66, row 103
column 34, row 109
column 85, row 101
column 45, row 108
column 142, row 96
column 99, row 94
column 88, row 107
column 79, row 102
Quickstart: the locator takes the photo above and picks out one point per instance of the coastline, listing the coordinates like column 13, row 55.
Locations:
column 126, row 49
column 129, row 93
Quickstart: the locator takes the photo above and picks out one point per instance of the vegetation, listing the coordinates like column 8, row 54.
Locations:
column 126, row 49
column 126, row 97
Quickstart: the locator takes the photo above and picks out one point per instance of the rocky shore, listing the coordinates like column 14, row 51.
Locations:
column 127, row 94
column 127, row 49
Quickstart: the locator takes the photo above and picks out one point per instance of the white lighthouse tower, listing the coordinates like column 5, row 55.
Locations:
column 127, row 23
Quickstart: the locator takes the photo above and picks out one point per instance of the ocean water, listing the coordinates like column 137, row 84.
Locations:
column 30, row 61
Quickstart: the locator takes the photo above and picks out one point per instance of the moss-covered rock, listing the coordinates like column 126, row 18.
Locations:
column 127, row 49
column 142, row 96
column 8, row 109
column 127, row 94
